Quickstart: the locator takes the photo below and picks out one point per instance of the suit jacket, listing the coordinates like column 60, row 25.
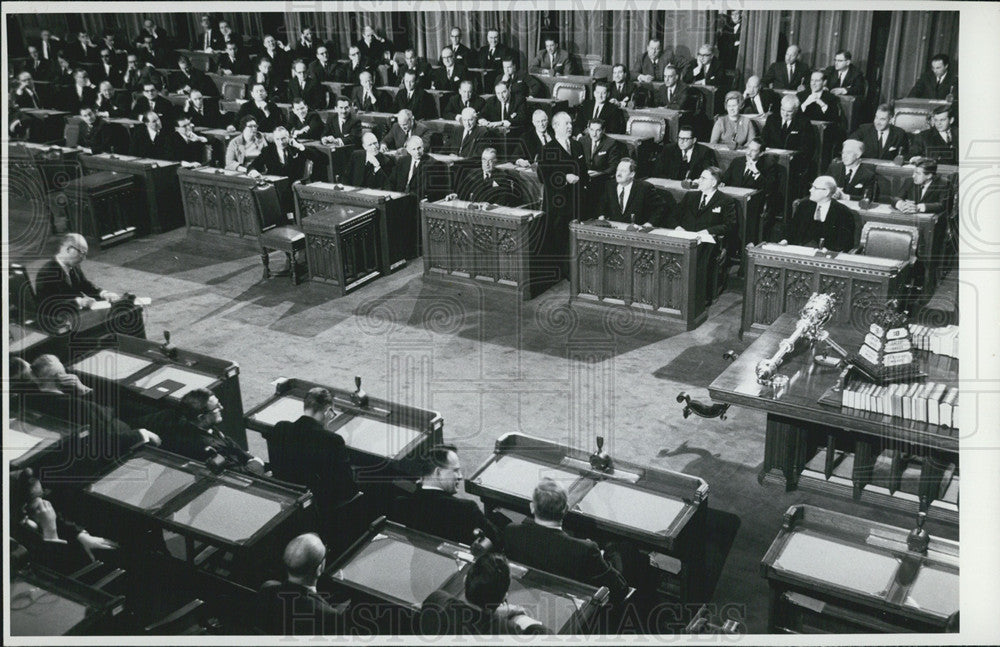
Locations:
column 396, row 137
column 471, row 145
column 347, row 73
column 381, row 103
column 776, row 76
column 443, row 515
column 209, row 117
column 281, row 62
column 563, row 201
column 131, row 79
column 927, row 86
column 678, row 99
column 531, row 145
column 56, row 290
column 714, row 76
column 161, row 149
column 290, row 609
column 897, row 142
column 815, row 113
column 800, row 135
column 361, row 173
column 268, row 162
column 671, row 163
column 645, row 65
column 422, row 70
column 936, row 199
column 522, row 85
column 441, row 80
column 72, row 102
column 312, row 124
column 112, row 74
column 443, row 614
column 863, row 182
column 854, row 81
column 465, row 55
column 766, row 181
column 837, row 231
column 500, row 188
column 643, row 202
column 181, row 436
column 329, row 72
column 307, row 453
column 768, row 100
column 265, row 123
column 241, row 65
column 270, row 83
column 455, row 105
column 609, row 153
column 115, row 106
column 929, row 143
column 517, row 112
column 40, row 69
column 558, row 63
column 612, row 115
column 494, row 60
column 314, row 92
column 350, row 133
column 718, row 216
column 374, row 52
column 109, row 438
column 420, row 104
column 624, row 95
column 99, row 138
column 195, row 79
column 555, row 551
column 80, row 53
column 161, row 106
column 214, row 40
column 431, row 179
column 28, row 99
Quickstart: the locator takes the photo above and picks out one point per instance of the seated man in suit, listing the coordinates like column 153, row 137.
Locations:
column 855, row 180
column 621, row 90
column 821, row 221
column 355, row 67
column 464, row 99
column 600, row 108
column 80, row 94
column 649, row 67
column 751, row 171
column 109, row 106
column 708, row 208
column 95, row 134
column 627, row 200
column 484, row 611
column 152, row 101
column 323, row 69
column 541, row 542
column 435, row 509
column 401, row 132
column 273, row 51
column 672, row 94
column 503, row 110
column 940, row 141
column 192, row 431
column 203, row 112
column 413, row 173
column 307, row 88
column 451, row 73
column 188, row 78
column 925, row 192
column 473, row 138
column 684, row 160
column 881, row 139
column 487, row 184
column 26, row 94
column 818, row 103
column 61, row 287
column 209, row 39
column 305, row 45
column 757, row 100
column 108, row 69
column 415, row 99
column 132, row 76
column 262, row 74
column 790, row 74
column 233, row 62
column 938, row 82
column 342, row 127
column 462, row 52
column 411, row 63
column 149, row 140
column 521, row 84
column 552, row 60
column 304, row 124
column 373, row 47
column 843, row 78
column 82, row 51
column 369, row 167
column 533, row 140
column 294, row 607
column 283, row 156
column 600, row 151
column 704, row 70
column 366, row 97
column 228, row 35
column 37, row 66
column 261, row 108
column 188, row 145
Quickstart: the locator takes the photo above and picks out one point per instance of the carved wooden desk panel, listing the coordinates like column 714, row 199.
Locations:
column 342, row 246
column 220, row 201
column 102, row 207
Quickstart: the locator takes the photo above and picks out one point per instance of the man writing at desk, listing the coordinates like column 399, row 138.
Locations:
column 61, row 286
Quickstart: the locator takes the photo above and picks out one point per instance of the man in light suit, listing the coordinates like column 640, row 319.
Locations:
column 552, row 60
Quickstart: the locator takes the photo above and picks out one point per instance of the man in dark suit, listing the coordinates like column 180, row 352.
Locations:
column 36, row 65
column 107, row 69
column 684, row 160
column 855, row 180
column 48, row 45
column 233, row 62
column 261, row 108
column 704, row 70
column 418, row 175
column 108, row 105
column 940, row 141
column 281, row 62
column 294, row 607
column 626, row 197
column 450, row 75
column 282, row 157
column 504, row 110
column 818, row 103
column 709, row 208
column 620, row 88
column 25, row 93
column 367, row 98
column 152, row 101
column 351, row 71
column 535, row 138
column 790, row 129
column 275, row 87
column 843, row 77
column 118, row 53
column 649, row 67
column 306, row 88
column 491, row 55
column 95, row 133
column 540, row 542
column 672, row 94
column 306, row 44
column 464, row 99
column 153, row 31
column 308, row 453
column 487, row 184
column 600, row 108
column 62, row 72
column 881, row 139
column 415, row 99
column 463, row 53
column 521, row 84
column 372, row 47
column 153, row 54
column 562, row 170
column 323, row 69
column 938, row 82
column 203, row 111
column 405, row 127
column 822, row 219
column 61, row 285
column 82, row 51
column 342, row 127
column 228, row 35
column 601, row 152
column 411, row 63
column 552, row 60
column 751, row 171
column 209, row 39
column 791, row 74
column 369, row 167
column 80, row 94
column 188, row 78
column 149, row 140
column 132, row 76
column 434, row 508
column 473, row 138
column 303, row 124
column 758, row 100
column 925, row 192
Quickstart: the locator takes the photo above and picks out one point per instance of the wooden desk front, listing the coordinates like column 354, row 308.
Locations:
column 896, row 176
column 156, row 181
column 750, row 202
column 219, row 201
column 342, row 246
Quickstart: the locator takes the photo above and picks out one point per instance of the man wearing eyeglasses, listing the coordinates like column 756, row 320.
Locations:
column 684, row 160
column 821, row 221
column 61, row 286
column 843, row 78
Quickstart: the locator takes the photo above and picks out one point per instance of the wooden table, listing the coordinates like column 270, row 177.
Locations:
column 750, row 203
column 663, row 273
column 780, row 157
column 342, row 246
column 832, row 448
column 659, row 511
column 50, row 124
column 834, row 573
column 497, row 248
column 377, row 122
column 68, row 607
column 781, row 278
column 219, row 201
column 156, row 182
column 331, row 161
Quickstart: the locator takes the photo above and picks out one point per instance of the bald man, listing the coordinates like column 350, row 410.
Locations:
column 821, row 221
column 789, row 74
column 294, row 607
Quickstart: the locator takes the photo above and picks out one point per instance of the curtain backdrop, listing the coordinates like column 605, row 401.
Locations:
column 914, row 37
column 821, row 34
column 759, row 43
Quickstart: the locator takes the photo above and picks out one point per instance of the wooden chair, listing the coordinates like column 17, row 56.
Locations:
column 912, row 121
column 22, row 302
column 274, row 232
column 887, row 240
column 233, row 90
column 639, row 126
column 601, row 71
column 573, row 93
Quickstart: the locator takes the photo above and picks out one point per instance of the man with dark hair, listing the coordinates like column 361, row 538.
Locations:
column 150, row 141
column 552, row 60
column 420, row 68
column 152, row 101
column 462, row 52
column 881, row 139
column 938, row 82
column 562, row 170
column 233, row 61
column 843, row 78
column 703, row 70
column 302, row 87
column 541, row 542
column 821, row 220
column 209, row 39
column 324, row 69
column 95, row 134
column 36, row 65
column 188, row 146
column 752, row 171
column 521, row 84
column 940, row 141
column 621, row 90
column 132, row 76
column 649, row 67
column 684, row 160
column 503, row 109
column 708, row 208
column 600, row 108
column 450, row 75
column 81, row 94
column 108, row 69
column 626, row 197
column 261, row 108
column 280, row 60
column 491, row 54
column 817, row 103
column 601, row 152
column 25, row 93
column 415, row 99
column 304, row 124
column 435, row 509
column 203, row 111
column 188, row 79
column 372, row 46
column 925, row 192
column 262, row 74
column 342, row 127
column 294, row 607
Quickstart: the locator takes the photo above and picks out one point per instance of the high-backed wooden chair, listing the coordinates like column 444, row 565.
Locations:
column 912, row 121
column 275, row 232
column 572, row 93
column 640, row 126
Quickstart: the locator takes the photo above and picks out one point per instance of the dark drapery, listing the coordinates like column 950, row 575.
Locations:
column 759, row 43
column 914, row 37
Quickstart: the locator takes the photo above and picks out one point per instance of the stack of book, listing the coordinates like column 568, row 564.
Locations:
column 929, row 402
column 941, row 340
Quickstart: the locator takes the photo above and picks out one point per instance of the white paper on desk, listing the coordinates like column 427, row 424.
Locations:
column 17, row 443
column 703, row 236
column 801, row 250
column 100, row 305
column 143, row 301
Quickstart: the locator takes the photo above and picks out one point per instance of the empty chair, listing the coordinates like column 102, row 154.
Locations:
column 233, row 90
column 887, row 240
column 646, row 127
column 912, row 121
column 573, row 93
column 274, row 232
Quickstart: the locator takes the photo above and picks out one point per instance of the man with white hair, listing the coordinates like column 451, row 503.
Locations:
column 855, row 179
column 406, row 126
column 788, row 128
column 562, row 170
column 790, row 74
column 757, row 100
column 372, row 46
column 418, row 175
column 821, row 221
column 283, row 156
column 535, row 139
column 487, row 184
column 366, row 97
column 369, row 167
column 470, row 142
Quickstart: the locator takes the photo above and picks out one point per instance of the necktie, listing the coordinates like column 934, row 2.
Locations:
column 748, row 175
column 850, row 176
column 621, row 199
column 947, row 137
column 593, row 150
column 818, row 216
column 413, row 171
column 207, row 39
column 881, row 140
column 503, row 110
column 791, row 73
column 670, row 94
column 704, row 201
column 784, row 126
column 597, row 111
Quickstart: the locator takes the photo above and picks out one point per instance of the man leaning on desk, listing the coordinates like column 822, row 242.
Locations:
column 61, row 286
